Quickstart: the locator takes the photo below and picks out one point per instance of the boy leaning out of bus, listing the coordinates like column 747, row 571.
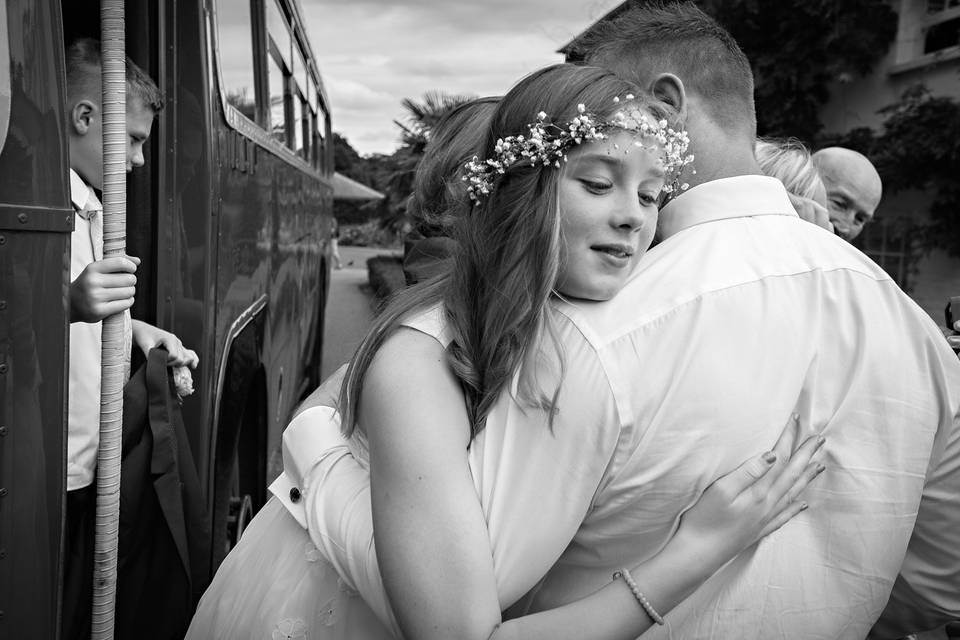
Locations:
column 99, row 288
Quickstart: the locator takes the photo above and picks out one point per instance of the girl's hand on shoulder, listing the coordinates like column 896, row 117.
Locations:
column 753, row 500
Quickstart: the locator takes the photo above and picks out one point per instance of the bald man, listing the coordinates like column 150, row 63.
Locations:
column 853, row 189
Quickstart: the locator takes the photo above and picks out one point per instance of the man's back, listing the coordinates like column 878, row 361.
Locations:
column 738, row 319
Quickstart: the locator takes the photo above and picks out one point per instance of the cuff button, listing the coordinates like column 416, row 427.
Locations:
column 294, row 495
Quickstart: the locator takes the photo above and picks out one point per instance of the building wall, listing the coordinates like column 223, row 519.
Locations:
column 932, row 276
column 940, row 280
column 855, row 102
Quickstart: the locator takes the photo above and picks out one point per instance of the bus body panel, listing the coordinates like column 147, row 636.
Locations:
column 233, row 229
column 36, row 219
column 245, row 220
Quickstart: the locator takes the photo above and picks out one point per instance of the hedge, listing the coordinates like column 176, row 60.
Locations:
column 386, row 275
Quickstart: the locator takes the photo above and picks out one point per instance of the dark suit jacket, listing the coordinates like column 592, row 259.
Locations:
column 163, row 556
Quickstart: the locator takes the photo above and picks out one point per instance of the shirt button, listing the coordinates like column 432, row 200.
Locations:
column 294, row 495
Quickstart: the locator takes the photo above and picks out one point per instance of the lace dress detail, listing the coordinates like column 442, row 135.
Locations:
column 276, row 585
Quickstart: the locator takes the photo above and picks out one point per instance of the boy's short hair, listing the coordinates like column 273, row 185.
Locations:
column 676, row 37
column 83, row 76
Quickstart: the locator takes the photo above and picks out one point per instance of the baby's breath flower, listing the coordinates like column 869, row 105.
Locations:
column 547, row 143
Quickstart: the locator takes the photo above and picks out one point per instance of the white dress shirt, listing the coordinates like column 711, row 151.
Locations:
column 743, row 315
column 83, row 394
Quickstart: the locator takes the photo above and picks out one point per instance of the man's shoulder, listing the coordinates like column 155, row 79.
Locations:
column 718, row 257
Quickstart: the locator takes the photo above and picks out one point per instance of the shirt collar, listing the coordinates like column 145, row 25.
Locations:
column 737, row 197
column 82, row 196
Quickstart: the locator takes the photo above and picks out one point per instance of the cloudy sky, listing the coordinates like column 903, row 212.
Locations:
column 374, row 53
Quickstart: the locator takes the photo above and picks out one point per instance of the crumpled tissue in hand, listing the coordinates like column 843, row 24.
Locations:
column 182, row 381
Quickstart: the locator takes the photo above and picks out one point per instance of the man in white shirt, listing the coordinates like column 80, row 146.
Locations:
column 741, row 316
column 99, row 287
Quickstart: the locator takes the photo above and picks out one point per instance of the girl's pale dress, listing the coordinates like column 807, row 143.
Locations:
column 535, row 487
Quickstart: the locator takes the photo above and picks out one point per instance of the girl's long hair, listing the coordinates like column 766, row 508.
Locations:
column 439, row 199
column 496, row 293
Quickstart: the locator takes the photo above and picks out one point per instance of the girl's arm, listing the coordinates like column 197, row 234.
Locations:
column 431, row 537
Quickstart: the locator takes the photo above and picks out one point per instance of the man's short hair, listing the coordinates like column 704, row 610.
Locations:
column 83, row 76
column 676, row 37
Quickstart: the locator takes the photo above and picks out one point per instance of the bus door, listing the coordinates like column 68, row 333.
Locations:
column 168, row 199
column 36, row 220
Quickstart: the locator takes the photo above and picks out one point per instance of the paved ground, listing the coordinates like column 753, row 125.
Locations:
column 349, row 308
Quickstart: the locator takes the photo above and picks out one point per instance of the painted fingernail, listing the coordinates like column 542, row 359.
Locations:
column 770, row 457
column 803, row 506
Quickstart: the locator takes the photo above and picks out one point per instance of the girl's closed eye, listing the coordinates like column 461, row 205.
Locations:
column 649, row 198
column 596, row 186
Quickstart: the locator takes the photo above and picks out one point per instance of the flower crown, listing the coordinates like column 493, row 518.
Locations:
column 548, row 143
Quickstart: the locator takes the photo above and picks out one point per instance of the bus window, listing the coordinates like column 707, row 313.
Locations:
column 310, row 121
column 297, row 119
column 307, row 132
column 323, row 125
column 279, row 70
column 312, row 93
column 235, row 25
column 279, row 31
column 300, row 71
column 315, row 147
column 4, row 78
column 278, row 110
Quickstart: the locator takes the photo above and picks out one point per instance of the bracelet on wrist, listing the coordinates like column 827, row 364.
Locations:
column 647, row 607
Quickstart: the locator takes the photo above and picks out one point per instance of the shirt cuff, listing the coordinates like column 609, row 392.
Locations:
column 310, row 438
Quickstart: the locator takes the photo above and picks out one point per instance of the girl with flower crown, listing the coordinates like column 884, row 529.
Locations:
column 467, row 514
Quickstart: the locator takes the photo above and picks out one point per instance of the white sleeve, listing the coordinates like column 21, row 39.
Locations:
column 927, row 592
column 328, row 492
column 340, row 523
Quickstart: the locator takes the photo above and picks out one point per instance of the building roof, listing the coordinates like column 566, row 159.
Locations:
column 345, row 188
column 569, row 49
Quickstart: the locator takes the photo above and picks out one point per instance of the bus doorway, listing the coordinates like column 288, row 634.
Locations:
column 230, row 216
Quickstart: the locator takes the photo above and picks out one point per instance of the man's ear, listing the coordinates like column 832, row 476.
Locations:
column 82, row 115
column 669, row 88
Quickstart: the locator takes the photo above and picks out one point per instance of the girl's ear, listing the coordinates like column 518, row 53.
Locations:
column 82, row 115
column 669, row 89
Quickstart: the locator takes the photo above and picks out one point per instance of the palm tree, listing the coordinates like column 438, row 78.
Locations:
column 424, row 115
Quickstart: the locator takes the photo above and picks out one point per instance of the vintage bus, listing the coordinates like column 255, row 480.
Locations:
column 231, row 217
